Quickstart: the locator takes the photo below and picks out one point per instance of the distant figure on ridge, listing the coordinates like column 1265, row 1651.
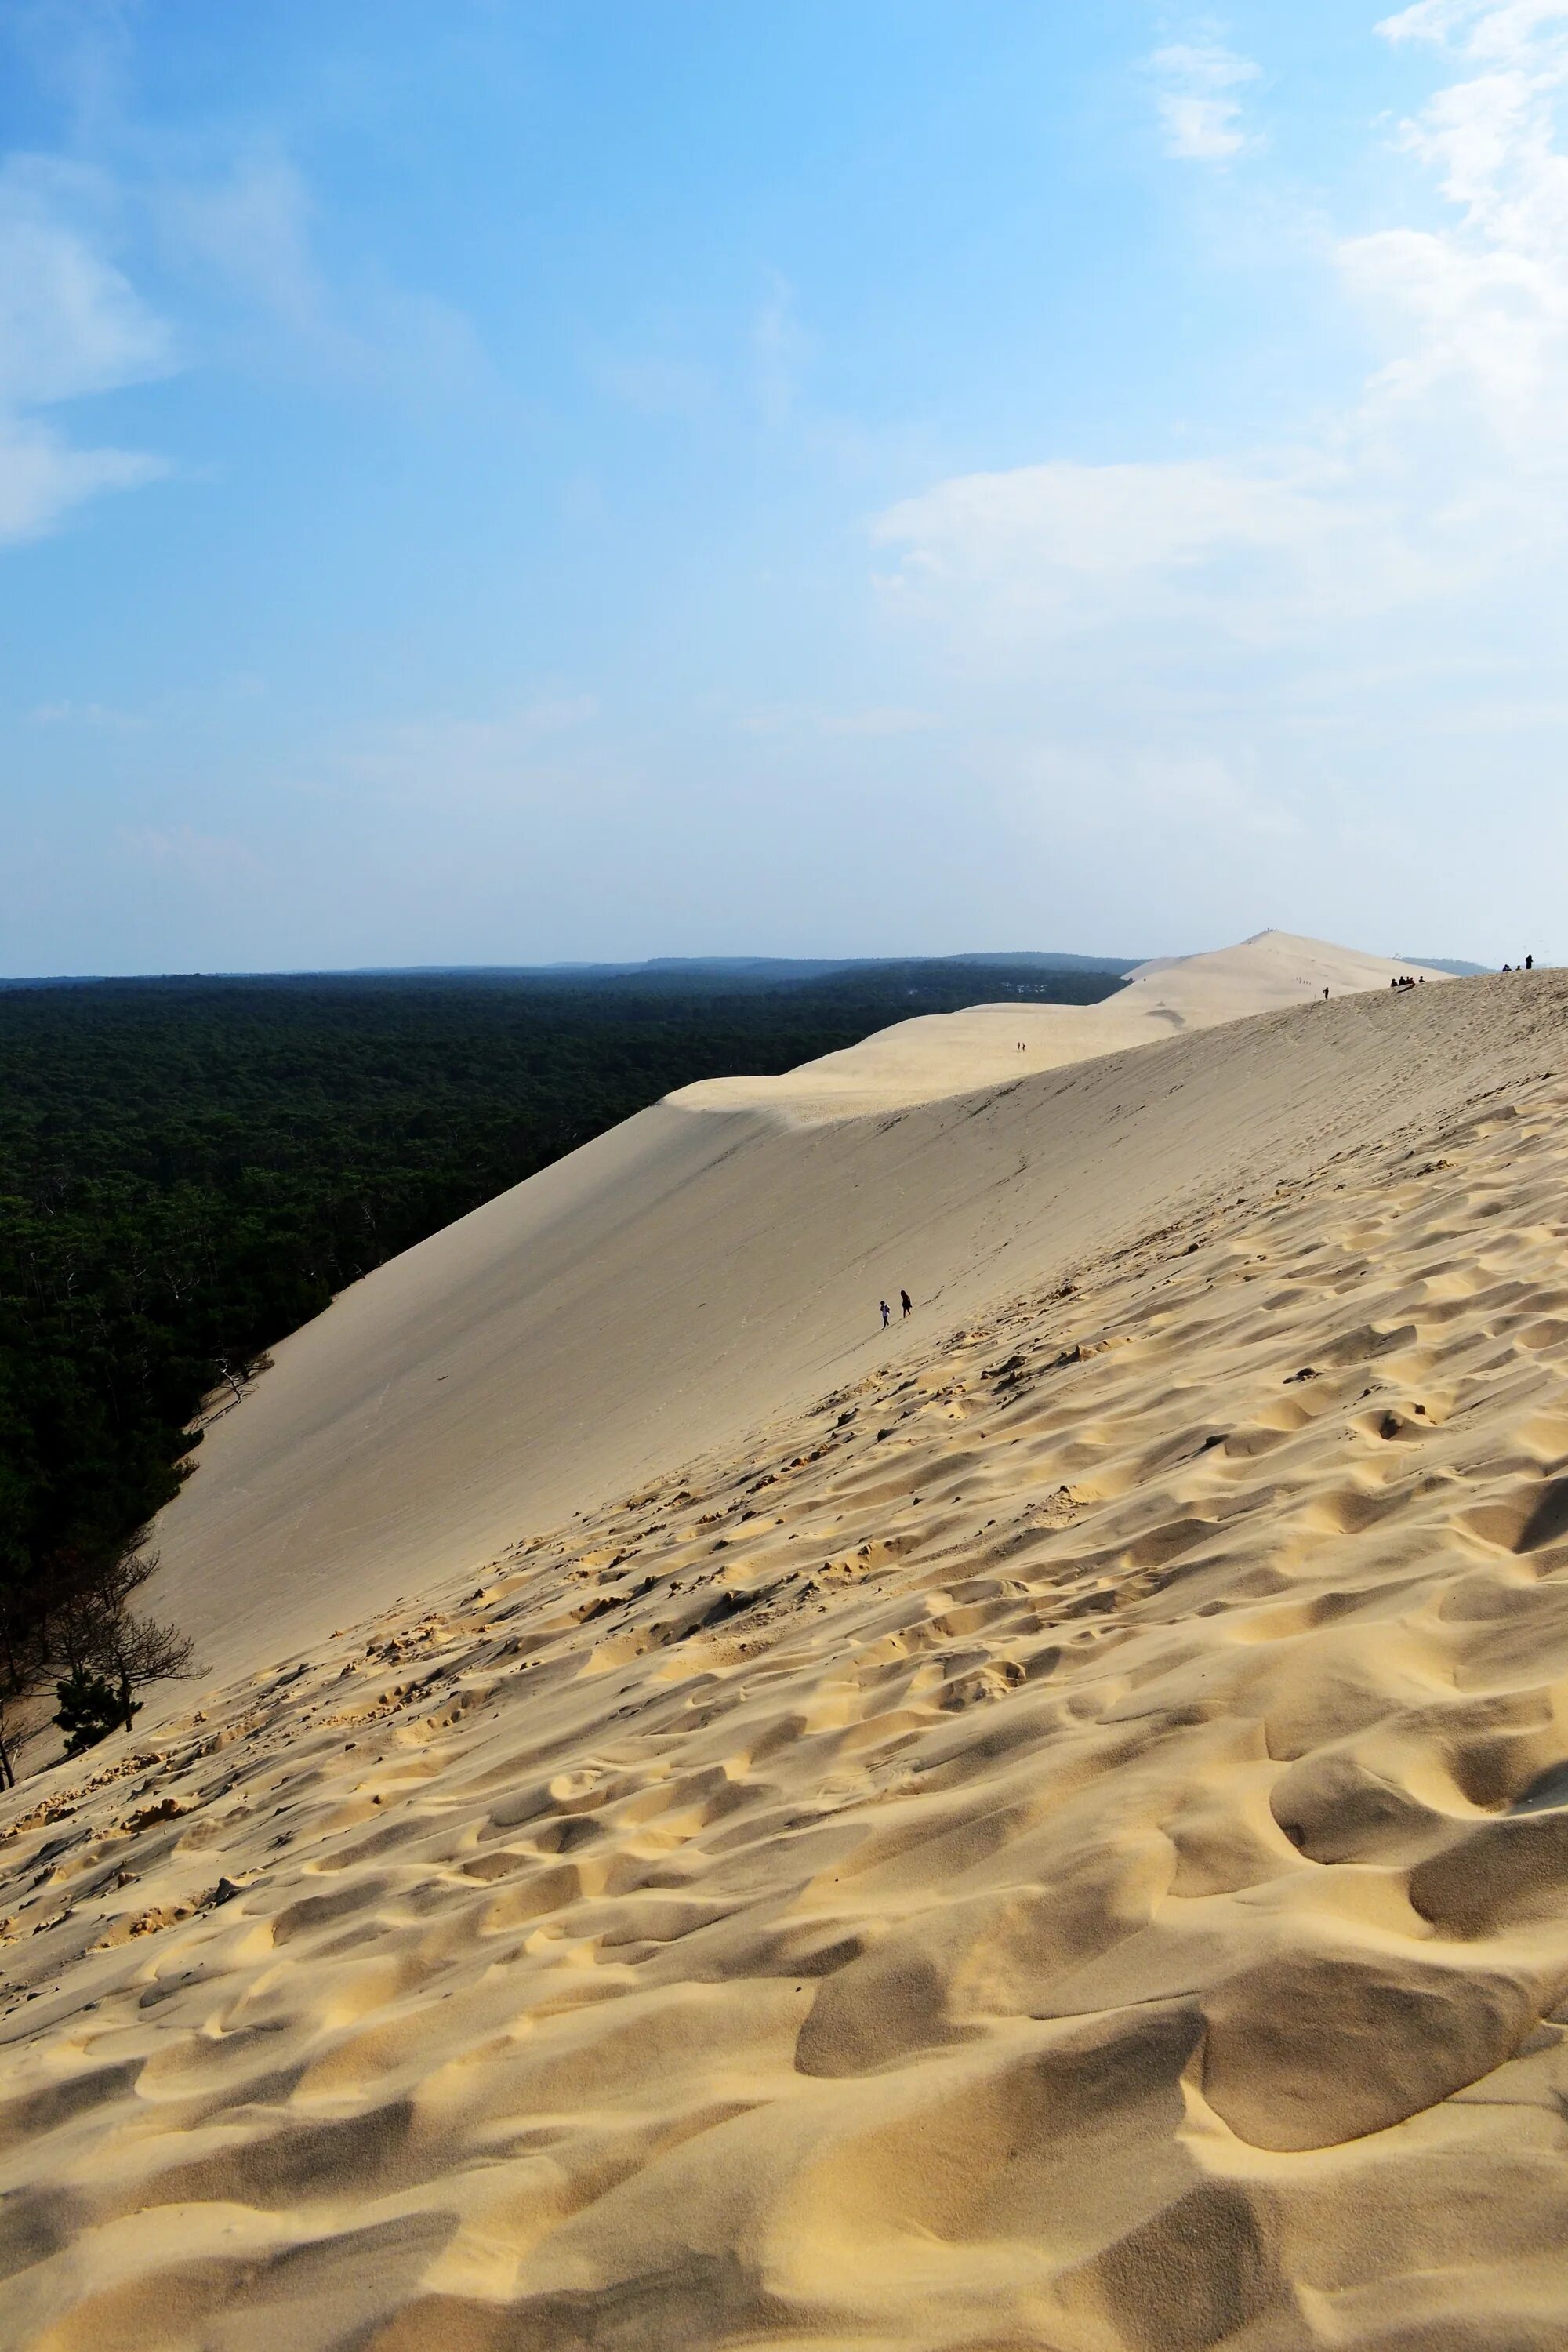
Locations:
column 908, row 1307
column 1325, row 996
column 887, row 1312
column 1529, row 963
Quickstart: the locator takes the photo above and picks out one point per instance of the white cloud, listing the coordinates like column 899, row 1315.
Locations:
column 1250, row 549
column 1098, row 522
column 73, row 324
column 1480, row 304
column 1196, row 95
column 1292, row 678
column 70, row 325
column 42, row 476
column 1495, row 30
column 1446, row 475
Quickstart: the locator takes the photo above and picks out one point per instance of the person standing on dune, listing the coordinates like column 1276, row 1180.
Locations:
column 887, row 1312
column 908, row 1308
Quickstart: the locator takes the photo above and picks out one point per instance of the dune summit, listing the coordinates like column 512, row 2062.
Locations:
column 1056, row 1837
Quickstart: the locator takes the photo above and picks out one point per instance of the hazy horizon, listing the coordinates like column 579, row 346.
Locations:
column 508, row 486
column 737, row 957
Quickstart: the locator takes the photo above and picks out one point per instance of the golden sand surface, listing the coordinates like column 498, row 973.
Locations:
column 717, row 1260
column 943, row 1053
column 1061, row 1842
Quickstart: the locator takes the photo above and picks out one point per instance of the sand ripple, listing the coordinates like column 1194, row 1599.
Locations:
column 1066, row 1844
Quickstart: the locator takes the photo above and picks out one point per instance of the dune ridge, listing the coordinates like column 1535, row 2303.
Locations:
column 945, row 1054
column 720, row 1258
column 1060, row 1842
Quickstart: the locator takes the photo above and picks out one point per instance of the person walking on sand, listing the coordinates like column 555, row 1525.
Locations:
column 887, row 1312
column 907, row 1303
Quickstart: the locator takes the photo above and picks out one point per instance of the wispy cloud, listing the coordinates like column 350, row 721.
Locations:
column 1490, row 28
column 250, row 231
column 1254, row 657
column 42, row 477
column 252, row 224
column 1248, row 549
column 86, row 714
column 1446, row 473
column 1197, row 86
column 1481, row 303
column 230, row 228
column 71, row 324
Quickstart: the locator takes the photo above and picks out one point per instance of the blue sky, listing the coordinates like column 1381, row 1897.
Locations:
column 496, row 482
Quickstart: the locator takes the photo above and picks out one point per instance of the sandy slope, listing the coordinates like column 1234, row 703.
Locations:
column 950, row 1053
column 1061, row 1843
column 667, row 1286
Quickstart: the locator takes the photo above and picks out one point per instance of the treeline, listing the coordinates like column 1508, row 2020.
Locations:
column 190, row 1168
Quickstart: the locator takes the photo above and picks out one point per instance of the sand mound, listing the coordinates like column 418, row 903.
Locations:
column 667, row 1286
column 989, row 1045
column 1061, row 1842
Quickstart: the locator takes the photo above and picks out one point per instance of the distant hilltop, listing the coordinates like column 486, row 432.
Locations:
column 797, row 968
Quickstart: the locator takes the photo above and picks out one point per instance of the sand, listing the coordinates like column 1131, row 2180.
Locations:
column 1059, row 1839
column 953, row 1052
column 720, row 1258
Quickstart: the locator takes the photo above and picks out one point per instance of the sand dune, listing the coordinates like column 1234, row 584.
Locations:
column 953, row 1053
column 1061, row 1840
column 663, row 1289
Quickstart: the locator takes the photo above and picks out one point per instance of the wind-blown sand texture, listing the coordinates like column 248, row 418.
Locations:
column 1061, row 1842
column 720, row 1258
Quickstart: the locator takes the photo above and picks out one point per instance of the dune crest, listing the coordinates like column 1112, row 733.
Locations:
column 989, row 1045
